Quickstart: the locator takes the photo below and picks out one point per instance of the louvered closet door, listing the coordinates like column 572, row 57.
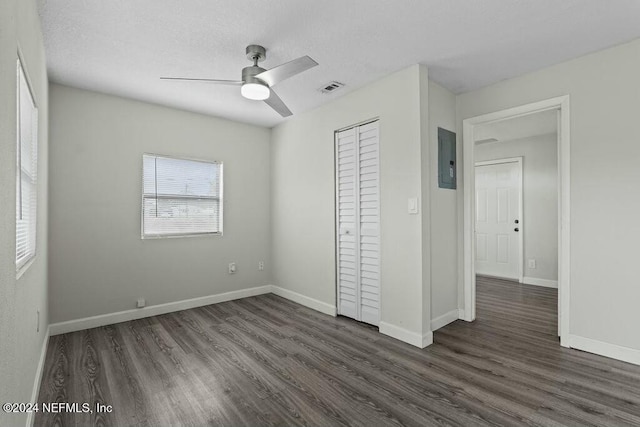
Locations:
column 358, row 216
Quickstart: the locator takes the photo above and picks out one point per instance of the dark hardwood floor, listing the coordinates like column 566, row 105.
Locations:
column 268, row 361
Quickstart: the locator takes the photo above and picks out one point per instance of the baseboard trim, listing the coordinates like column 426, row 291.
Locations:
column 154, row 310
column 445, row 319
column 493, row 276
column 540, row 282
column 614, row 351
column 39, row 373
column 405, row 335
column 312, row 303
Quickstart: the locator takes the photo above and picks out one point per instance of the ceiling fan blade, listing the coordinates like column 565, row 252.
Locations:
column 286, row 70
column 222, row 82
column 276, row 103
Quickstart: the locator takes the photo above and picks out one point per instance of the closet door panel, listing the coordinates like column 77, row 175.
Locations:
column 348, row 248
column 369, row 218
column 358, row 222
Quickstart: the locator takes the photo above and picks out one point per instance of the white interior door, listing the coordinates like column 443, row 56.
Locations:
column 358, row 219
column 499, row 218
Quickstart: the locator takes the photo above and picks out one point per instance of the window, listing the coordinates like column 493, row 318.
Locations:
column 181, row 197
column 26, row 171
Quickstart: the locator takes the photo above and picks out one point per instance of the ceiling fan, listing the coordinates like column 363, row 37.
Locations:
column 257, row 82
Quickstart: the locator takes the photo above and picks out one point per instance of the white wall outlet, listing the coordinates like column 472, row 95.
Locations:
column 261, row 265
column 141, row 303
column 232, row 267
column 532, row 263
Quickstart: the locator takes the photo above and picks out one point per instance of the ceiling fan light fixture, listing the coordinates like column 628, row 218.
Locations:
column 256, row 82
column 255, row 91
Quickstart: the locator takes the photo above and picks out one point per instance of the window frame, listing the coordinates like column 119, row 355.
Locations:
column 23, row 264
column 220, row 199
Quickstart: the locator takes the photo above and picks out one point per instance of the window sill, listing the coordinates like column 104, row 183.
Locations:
column 178, row 236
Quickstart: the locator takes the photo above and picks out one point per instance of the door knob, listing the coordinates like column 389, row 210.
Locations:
column 516, row 229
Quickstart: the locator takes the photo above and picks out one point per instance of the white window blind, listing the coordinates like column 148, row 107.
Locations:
column 26, row 170
column 181, row 197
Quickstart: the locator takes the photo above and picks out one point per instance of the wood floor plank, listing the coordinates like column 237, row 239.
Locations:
column 268, row 361
column 57, row 379
column 124, row 379
column 91, row 387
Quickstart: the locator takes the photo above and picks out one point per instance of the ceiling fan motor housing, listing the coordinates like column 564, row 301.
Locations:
column 255, row 53
column 249, row 73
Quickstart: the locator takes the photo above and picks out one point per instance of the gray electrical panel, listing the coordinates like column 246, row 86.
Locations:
column 446, row 159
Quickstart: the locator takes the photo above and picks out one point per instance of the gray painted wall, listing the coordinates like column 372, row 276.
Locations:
column 20, row 344
column 303, row 203
column 604, row 181
column 98, row 262
column 443, row 215
column 540, row 191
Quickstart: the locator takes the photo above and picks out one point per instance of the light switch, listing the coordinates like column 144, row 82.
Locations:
column 413, row 205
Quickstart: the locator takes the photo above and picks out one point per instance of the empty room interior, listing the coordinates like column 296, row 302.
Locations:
column 319, row 213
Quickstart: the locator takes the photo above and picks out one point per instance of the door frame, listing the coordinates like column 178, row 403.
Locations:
column 518, row 161
column 561, row 104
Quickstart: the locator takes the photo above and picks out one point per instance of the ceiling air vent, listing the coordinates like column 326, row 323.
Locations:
column 331, row 87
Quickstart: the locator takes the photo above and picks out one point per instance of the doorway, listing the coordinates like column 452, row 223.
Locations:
column 471, row 126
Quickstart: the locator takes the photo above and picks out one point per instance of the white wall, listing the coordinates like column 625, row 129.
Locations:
column 540, row 198
column 605, row 179
column 98, row 262
column 443, row 209
column 303, row 203
column 20, row 344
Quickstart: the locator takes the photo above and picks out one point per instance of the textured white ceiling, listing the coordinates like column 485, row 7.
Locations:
column 122, row 47
column 543, row 123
